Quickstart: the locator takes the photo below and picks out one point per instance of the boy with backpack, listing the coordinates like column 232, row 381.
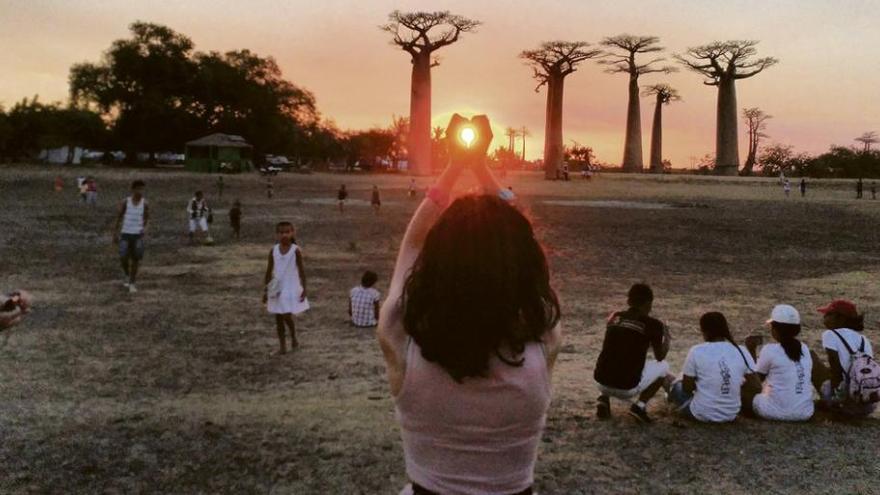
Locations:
column 850, row 384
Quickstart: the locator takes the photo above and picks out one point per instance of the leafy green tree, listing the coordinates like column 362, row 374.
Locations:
column 143, row 83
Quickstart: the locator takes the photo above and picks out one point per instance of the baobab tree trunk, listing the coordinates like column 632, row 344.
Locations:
column 726, row 138
column 419, row 142
column 657, row 139
column 632, row 147
column 553, row 152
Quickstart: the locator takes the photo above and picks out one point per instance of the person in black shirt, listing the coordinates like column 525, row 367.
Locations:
column 622, row 370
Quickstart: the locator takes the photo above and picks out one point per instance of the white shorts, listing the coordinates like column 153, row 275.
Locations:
column 198, row 224
column 652, row 372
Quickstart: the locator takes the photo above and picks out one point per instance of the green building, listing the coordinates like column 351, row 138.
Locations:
column 219, row 153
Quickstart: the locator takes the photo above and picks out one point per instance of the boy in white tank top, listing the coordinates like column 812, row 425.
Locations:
column 131, row 225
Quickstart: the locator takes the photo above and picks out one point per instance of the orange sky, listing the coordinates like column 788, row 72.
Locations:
column 825, row 90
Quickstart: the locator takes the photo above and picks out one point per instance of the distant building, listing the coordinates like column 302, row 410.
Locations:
column 219, row 153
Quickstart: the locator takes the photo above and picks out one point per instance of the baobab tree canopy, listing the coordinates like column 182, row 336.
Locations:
column 551, row 63
column 421, row 34
column 723, row 62
column 622, row 59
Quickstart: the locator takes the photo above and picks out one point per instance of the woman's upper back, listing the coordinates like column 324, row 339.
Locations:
column 720, row 369
column 788, row 382
column 478, row 436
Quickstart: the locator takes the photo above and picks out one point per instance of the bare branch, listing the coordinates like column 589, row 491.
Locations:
column 725, row 60
column 557, row 59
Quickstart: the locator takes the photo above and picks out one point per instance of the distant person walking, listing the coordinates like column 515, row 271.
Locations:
column 59, row 184
column 82, row 188
column 285, row 284
column 873, row 190
column 235, row 219
column 341, row 196
column 786, row 187
column 198, row 212
column 270, row 189
column 363, row 302
column 375, row 200
column 91, row 191
column 803, row 187
column 131, row 223
column 859, row 187
column 412, row 189
column 621, row 370
column 220, row 187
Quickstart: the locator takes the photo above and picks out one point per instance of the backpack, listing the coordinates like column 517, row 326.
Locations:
column 863, row 375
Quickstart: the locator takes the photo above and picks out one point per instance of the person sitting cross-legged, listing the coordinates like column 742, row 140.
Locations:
column 363, row 302
column 622, row 371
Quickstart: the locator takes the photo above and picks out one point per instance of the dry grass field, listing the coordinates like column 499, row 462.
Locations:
column 173, row 390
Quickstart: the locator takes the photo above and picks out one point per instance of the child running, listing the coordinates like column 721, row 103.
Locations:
column 285, row 284
column 341, row 196
column 235, row 219
column 132, row 218
column 375, row 200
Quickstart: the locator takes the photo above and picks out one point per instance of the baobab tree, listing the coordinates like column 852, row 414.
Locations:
column 868, row 139
column 552, row 62
column 756, row 120
column 723, row 63
column 664, row 94
column 524, row 133
column 622, row 59
column 511, row 134
column 421, row 34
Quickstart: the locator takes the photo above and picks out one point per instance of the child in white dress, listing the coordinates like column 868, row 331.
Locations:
column 285, row 284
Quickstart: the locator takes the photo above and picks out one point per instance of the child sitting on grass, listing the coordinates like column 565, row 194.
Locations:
column 363, row 302
column 285, row 284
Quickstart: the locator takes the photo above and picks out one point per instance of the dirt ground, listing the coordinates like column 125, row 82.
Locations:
column 173, row 390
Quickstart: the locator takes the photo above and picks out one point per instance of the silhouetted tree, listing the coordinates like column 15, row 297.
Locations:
column 723, row 63
column 511, row 134
column 421, row 34
column 524, row 133
column 552, row 62
column 625, row 48
column 32, row 126
column 144, row 83
column 664, row 94
column 867, row 139
column 756, row 120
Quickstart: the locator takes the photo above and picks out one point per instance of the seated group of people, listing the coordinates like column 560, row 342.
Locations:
column 721, row 379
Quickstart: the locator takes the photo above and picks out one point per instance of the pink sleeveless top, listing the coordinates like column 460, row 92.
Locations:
column 476, row 437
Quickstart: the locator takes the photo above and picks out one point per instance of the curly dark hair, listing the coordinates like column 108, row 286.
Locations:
column 479, row 286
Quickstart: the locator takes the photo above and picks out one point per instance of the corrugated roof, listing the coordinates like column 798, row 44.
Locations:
column 220, row 139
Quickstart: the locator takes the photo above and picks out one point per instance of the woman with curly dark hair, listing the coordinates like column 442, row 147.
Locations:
column 470, row 332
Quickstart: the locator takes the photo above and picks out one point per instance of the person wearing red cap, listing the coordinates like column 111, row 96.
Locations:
column 845, row 325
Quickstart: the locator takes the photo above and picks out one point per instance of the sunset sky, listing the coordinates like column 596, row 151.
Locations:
column 826, row 89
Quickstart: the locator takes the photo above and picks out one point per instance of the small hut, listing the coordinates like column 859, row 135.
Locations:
column 219, row 153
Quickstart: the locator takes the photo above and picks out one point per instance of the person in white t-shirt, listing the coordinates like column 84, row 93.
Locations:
column 844, row 323
column 714, row 374
column 786, row 369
